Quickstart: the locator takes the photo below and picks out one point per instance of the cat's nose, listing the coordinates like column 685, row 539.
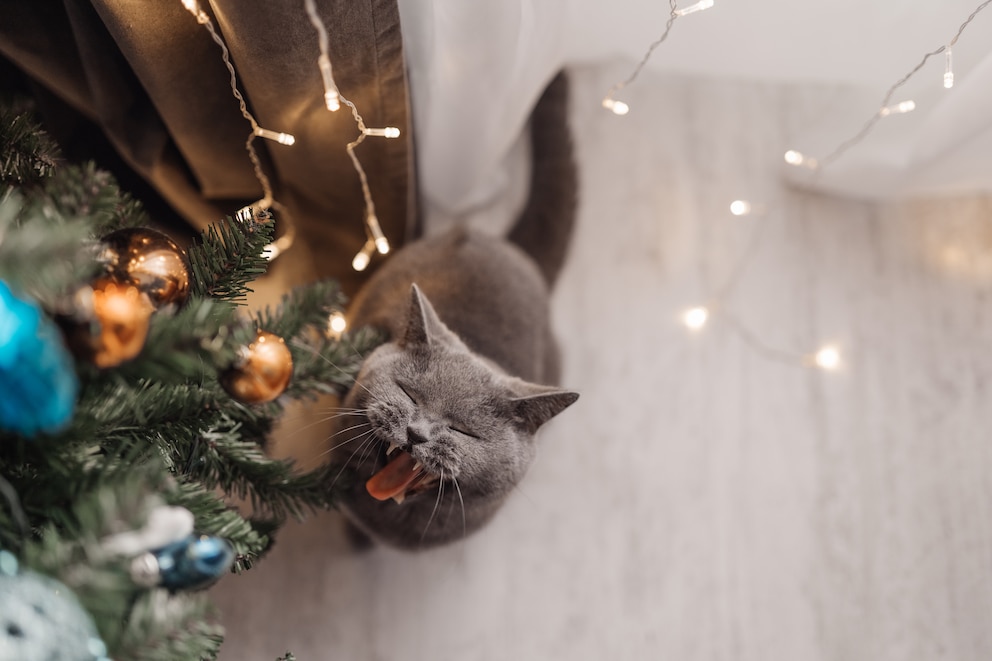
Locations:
column 414, row 436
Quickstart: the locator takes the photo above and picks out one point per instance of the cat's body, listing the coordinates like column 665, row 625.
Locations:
column 444, row 413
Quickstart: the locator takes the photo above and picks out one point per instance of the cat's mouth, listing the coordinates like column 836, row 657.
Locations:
column 402, row 476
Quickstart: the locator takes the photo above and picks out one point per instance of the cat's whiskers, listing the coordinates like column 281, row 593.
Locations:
column 350, row 440
column 368, row 448
column 365, row 423
column 461, row 500
column 319, row 421
column 354, row 379
column 437, row 502
column 370, row 437
column 523, row 493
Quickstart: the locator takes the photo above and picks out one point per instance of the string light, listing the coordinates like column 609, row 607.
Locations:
column 194, row 8
column 378, row 238
column 364, row 256
column 948, row 69
column 798, row 159
column 695, row 318
column 281, row 138
column 619, row 107
column 268, row 200
column 740, row 207
column 332, row 97
column 337, row 324
column 333, row 100
column 885, row 109
column 692, row 9
column 827, row 358
column 898, row 109
column 388, row 132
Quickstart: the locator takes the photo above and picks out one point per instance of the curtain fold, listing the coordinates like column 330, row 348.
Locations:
column 153, row 81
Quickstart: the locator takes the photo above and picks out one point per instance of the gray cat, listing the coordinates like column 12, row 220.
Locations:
column 442, row 417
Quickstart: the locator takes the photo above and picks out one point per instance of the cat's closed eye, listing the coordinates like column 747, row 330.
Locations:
column 406, row 392
column 462, row 431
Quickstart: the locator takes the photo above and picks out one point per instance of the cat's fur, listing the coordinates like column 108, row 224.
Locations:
column 469, row 340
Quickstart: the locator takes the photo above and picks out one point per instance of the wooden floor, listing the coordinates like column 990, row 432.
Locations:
column 710, row 496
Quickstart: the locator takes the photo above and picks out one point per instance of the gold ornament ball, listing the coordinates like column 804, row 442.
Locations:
column 149, row 260
column 263, row 373
column 121, row 314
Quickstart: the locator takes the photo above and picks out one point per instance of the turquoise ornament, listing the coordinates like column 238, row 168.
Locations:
column 37, row 379
column 41, row 619
column 193, row 562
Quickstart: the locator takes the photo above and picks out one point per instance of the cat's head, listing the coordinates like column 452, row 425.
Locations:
column 439, row 413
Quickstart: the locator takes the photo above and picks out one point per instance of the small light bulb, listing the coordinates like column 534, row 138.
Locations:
column 898, row 109
column 692, row 9
column 270, row 252
column 338, row 323
column 194, row 8
column 618, row 107
column 798, row 159
column 364, row 256
column 740, row 207
column 281, row 138
column 379, row 241
column 361, row 261
column 948, row 69
column 332, row 98
column 827, row 358
column 695, row 318
column 387, row 132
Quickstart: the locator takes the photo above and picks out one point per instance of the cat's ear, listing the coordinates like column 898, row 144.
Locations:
column 538, row 404
column 423, row 327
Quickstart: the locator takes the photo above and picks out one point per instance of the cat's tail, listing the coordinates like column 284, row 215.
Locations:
column 544, row 228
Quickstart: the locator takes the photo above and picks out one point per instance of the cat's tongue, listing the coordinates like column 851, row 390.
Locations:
column 394, row 478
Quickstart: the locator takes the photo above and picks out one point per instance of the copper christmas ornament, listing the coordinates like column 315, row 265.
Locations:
column 120, row 316
column 263, row 373
column 149, row 260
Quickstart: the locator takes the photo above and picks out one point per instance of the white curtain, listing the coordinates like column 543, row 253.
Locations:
column 476, row 69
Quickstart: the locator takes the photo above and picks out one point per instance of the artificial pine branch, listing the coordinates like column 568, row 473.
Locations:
column 192, row 344
column 41, row 254
column 146, row 404
column 311, row 305
column 159, row 428
column 220, row 459
column 83, row 191
column 167, row 627
column 214, row 517
column 229, row 256
column 27, row 153
column 70, row 548
column 322, row 364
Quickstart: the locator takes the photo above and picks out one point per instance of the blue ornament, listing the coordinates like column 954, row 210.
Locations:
column 41, row 619
column 193, row 562
column 37, row 377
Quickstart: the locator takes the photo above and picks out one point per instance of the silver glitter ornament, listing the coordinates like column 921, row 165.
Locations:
column 41, row 619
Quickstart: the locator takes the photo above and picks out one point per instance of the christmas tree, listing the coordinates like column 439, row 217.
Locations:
column 136, row 393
